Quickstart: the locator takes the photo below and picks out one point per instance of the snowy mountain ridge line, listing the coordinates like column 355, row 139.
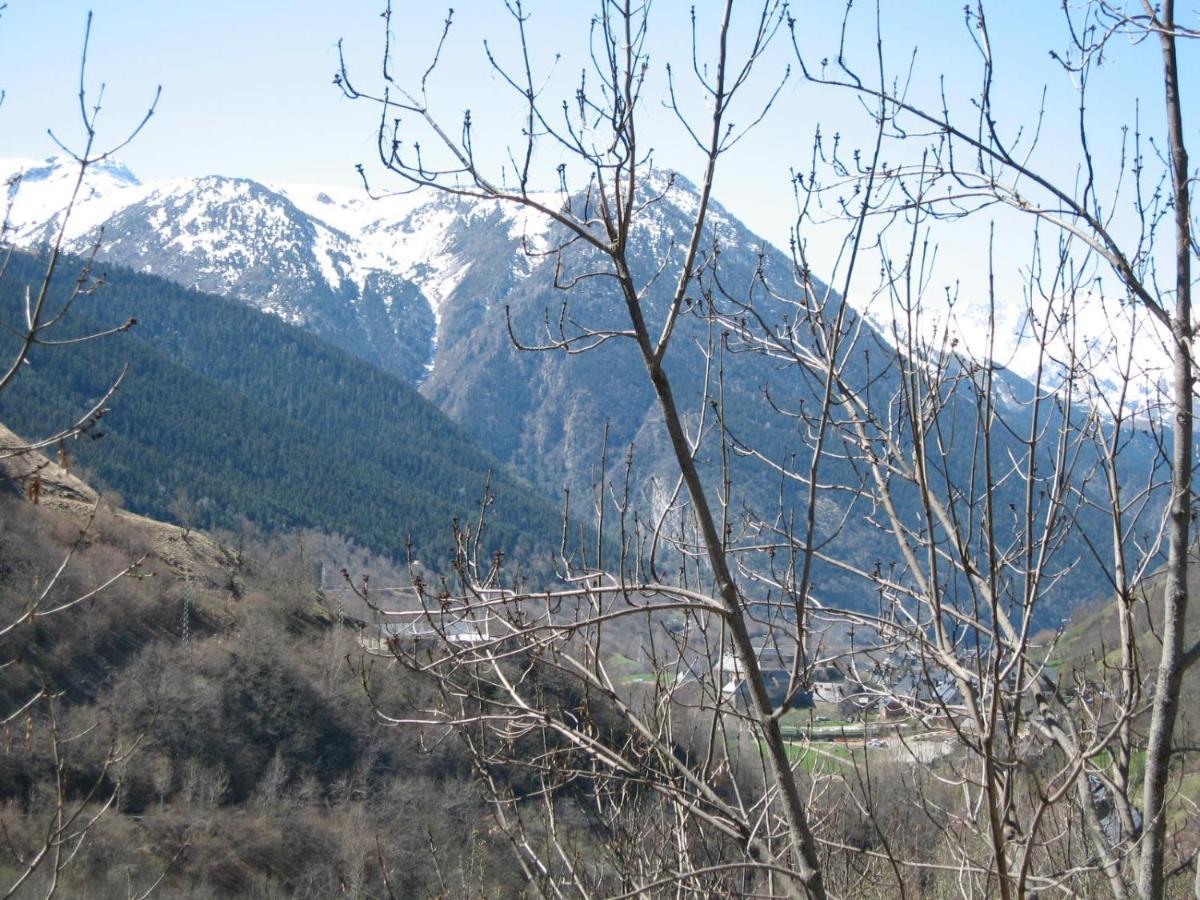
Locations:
column 228, row 226
column 405, row 235
column 38, row 192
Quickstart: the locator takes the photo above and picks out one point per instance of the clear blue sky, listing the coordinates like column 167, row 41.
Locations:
column 247, row 83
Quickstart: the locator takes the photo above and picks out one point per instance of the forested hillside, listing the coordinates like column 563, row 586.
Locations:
column 227, row 412
column 434, row 288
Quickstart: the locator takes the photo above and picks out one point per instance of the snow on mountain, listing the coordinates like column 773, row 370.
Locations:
column 1117, row 353
column 234, row 237
column 274, row 245
column 380, row 276
column 39, row 191
column 413, row 234
column 227, row 231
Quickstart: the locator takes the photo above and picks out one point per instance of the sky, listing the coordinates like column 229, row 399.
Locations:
column 247, row 84
column 247, row 89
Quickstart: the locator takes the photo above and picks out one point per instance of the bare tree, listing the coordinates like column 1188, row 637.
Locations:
column 955, row 167
column 599, row 131
column 990, row 497
column 44, row 312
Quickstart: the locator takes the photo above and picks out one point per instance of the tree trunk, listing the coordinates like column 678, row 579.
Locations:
column 1175, row 595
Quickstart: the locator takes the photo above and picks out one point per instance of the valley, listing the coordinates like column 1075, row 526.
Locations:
column 521, row 522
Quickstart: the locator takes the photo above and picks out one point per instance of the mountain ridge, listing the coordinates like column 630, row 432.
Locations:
column 376, row 275
column 469, row 285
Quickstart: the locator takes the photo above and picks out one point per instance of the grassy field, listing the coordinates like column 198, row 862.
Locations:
column 624, row 670
column 824, row 758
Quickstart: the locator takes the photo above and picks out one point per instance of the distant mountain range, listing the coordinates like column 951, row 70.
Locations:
column 375, row 278
column 426, row 287
column 415, row 284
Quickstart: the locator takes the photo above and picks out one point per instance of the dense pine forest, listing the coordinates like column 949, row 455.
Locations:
column 278, row 427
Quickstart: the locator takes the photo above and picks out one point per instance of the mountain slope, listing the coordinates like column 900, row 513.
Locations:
column 472, row 269
column 253, row 761
column 247, row 415
column 239, row 239
column 374, row 278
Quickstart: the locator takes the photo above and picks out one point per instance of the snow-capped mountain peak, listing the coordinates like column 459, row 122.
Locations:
column 385, row 277
column 39, row 191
